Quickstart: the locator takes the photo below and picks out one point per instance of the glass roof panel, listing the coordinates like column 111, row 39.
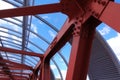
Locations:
column 35, row 33
column 38, row 2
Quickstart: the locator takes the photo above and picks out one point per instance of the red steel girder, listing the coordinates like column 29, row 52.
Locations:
column 81, row 49
column 23, row 73
column 15, row 51
column 107, row 11
column 19, row 77
column 59, row 41
column 111, row 15
column 32, row 10
column 15, row 68
column 63, row 36
column 13, row 76
column 14, row 64
column 9, row 79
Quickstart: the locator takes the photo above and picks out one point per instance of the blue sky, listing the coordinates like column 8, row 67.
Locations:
column 57, row 19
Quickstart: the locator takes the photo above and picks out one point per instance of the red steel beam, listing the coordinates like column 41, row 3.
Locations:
column 108, row 12
column 14, row 64
column 16, row 68
column 63, row 36
column 32, row 10
column 15, row 51
column 23, row 73
column 9, row 79
column 59, row 41
column 1, row 75
column 45, row 71
column 81, row 49
column 3, row 78
column 20, row 77
column 111, row 15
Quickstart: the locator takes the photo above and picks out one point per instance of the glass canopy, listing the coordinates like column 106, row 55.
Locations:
column 32, row 34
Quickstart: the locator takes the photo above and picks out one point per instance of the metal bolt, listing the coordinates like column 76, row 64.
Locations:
column 77, row 18
column 103, row 3
column 96, row 14
column 99, row 2
column 76, row 22
column 78, row 27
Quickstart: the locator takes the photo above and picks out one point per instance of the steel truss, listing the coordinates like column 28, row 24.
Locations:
column 80, row 27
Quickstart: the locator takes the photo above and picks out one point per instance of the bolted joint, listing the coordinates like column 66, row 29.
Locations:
column 78, row 23
column 71, row 8
column 76, row 31
column 101, row 2
column 95, row 14
column 97, row 7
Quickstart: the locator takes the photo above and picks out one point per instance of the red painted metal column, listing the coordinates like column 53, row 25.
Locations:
column 81, row 49
column 45, row 70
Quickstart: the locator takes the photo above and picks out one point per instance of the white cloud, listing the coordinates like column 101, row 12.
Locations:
column 16, row 38
column 3, row 33
column 64, row 74
column 15, row 27
column 115, row 44
column 105, row 30
column 45, row 17
column 4, row 5
column 34, row 28
column 52, row 34
column 3, row 22
column 88, row 78
column 53, row 67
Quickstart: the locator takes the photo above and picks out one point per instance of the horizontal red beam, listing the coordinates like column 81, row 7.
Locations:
column 23, row 73
column 21, row 52
column 9, row 79
column 16, row 65
column 32, row 10
column 2, row 78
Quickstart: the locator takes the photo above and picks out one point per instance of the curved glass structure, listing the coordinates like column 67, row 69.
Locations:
column 24, row 40
column 32, row 34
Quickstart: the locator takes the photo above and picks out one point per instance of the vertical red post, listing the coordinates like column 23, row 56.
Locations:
column 81, row 49
column 45, row 70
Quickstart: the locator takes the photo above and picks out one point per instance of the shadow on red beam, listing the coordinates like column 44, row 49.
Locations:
column 21, row 52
